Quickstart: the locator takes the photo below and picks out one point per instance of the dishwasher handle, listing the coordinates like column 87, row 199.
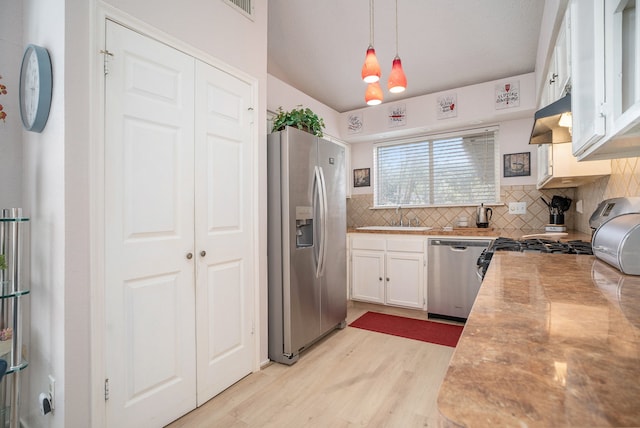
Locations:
column 460, row 244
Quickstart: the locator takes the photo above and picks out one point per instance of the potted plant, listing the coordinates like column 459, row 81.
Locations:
column 301, row 118
column 3, row 263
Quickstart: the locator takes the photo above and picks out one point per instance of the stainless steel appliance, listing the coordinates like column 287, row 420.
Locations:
column 483, row 215
column 610, row 208
column 453, row 282
column 547, row 126
column 306, row 241
column 617, row 242
column 616, row 237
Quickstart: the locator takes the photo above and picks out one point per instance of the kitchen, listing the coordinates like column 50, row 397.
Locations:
column 55, row 165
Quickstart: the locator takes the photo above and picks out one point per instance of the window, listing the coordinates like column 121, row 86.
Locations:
column 456, row 169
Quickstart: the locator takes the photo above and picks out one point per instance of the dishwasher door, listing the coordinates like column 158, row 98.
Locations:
column 453, row 282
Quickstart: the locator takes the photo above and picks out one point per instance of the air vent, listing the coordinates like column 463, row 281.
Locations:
column 245, row 7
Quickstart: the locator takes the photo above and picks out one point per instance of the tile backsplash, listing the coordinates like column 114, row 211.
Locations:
column 359, row 212
column 623, row 181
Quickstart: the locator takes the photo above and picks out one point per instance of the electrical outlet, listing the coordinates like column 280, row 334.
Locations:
column 517, row 207
column 52, row 391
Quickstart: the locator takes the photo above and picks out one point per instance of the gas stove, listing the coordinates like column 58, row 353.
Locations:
column 536, row 245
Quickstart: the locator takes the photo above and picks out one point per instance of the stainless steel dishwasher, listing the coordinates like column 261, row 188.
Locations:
column 453, row 281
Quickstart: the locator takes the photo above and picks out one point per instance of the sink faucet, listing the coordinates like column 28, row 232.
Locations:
column 399, row 213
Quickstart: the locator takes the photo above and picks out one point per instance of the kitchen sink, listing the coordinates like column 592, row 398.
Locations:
column 398, row 228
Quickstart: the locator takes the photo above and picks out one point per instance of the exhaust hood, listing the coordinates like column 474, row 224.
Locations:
column 547, row 128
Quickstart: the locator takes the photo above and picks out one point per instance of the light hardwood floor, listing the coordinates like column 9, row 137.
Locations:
column 352, row 378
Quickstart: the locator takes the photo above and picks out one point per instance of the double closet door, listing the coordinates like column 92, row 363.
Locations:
column 179, row 238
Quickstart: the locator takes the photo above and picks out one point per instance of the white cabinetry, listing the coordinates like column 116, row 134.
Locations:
column 587, row 58
column 367, row 269
column 606, row 79
column 558, row 168
column 388, row 270
column 559, row 71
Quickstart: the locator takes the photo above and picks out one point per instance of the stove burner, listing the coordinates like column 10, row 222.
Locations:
column 535, row 245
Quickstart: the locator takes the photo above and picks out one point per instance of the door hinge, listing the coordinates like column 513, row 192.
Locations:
column 106, row 389
column 106, row 54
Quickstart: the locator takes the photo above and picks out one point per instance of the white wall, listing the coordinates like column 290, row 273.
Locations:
column 513, row 138
column 44, row 202
column 280, row 94
column 58, row 177
column 476, row 110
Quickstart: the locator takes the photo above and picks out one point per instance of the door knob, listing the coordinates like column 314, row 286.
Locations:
column 203, row 253
column 189, row 256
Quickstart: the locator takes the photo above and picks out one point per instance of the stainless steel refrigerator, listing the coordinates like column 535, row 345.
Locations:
column 306, row 241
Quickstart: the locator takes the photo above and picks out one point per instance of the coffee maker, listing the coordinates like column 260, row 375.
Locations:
column 483, row 215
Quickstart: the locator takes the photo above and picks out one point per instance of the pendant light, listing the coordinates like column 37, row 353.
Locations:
column 397, row 79
column 371, row 68
column 373, row 94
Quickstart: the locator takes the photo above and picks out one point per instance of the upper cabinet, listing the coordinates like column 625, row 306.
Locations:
column 557, row 167
column 559, row 74
column 605, row 79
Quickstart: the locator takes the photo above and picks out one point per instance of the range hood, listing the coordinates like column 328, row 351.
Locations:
column 546, row 128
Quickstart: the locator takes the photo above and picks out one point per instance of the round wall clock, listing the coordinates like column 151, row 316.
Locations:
column 36, row 78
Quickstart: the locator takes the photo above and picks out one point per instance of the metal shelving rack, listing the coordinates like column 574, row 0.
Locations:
column 13, row 291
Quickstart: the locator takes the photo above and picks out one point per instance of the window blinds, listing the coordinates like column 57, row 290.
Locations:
column 450, row 170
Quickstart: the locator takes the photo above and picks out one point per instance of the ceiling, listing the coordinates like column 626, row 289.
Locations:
column 318, row 46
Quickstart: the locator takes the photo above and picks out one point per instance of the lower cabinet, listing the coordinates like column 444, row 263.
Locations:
column 388, row 271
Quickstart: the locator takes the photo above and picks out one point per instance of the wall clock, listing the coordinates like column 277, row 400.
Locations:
column 36, row 78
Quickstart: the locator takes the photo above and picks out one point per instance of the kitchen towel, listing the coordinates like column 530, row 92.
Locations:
column 426, row 331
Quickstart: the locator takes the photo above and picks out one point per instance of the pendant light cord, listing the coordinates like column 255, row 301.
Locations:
column 396, row 27
column 370, row 22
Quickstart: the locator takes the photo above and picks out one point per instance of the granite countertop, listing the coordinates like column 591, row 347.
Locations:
column 482, row 232
column 552, row 340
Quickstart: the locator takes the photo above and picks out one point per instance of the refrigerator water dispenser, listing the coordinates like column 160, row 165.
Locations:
column 304, row 227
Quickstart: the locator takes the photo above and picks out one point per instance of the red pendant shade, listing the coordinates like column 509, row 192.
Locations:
column 373, row 95
column 371, row 68
column 397, row 79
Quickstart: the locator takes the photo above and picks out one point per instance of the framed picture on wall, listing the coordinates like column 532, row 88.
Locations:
column 362, row 177
column 517, row 164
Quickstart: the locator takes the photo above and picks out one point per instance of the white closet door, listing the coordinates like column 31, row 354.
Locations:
column 150, row 297
column 224, row 230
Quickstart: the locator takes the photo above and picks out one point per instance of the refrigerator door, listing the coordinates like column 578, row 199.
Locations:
column 306, row 241
column 302, row 290
column 331, row 161
column 294, row 296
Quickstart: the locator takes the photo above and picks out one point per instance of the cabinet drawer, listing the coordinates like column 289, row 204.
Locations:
column 409, row 245
column 361, row 243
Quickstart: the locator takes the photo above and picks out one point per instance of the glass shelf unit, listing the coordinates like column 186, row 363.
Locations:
column 13, row 292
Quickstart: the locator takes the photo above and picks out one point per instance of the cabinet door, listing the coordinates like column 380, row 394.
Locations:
column 405, row 279
column 149, row 294
column 545, row 166
column 367, row 275
column 587, row 67
column 562, row 58
column 224, row 234
column 622, row 33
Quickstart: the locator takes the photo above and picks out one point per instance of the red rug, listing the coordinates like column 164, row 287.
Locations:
column 426, row 331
